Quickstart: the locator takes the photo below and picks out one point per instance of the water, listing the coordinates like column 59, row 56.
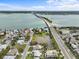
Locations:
column 64, row 20
column 18, row 21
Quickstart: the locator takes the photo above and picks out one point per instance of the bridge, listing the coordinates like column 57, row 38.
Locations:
column 64, row 49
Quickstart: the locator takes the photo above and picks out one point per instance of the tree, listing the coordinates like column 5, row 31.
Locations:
column 13, row 42
column 69, row 39
column 4, row 52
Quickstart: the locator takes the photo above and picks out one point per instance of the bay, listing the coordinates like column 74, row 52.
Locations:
column 18, row 21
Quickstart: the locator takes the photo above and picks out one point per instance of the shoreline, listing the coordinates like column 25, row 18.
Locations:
column 61, row 27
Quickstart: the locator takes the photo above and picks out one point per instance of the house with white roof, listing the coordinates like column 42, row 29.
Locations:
column 9, row 57
column 37, row 47
column 20, row 42
column 16, row 31
column 65, row 31
column 22, row 38
column 51, row 54
column 74, row 46
column 1, row 33
column 36, row 54
column 3, row 46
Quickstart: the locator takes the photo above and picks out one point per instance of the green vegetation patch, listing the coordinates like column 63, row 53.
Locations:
column 18, row 57
column 30, row 56
column 4, row 52
column 54, row 43
column 47, row 20
column 1, row 38
column 20, row 47
column 30, row 49
column 27, row 37
column 55, row 46
column 33, row 42
column 34, row 37
column 42, row 33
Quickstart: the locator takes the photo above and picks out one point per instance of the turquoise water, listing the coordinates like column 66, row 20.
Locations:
column 18, row 21
column 64, row 20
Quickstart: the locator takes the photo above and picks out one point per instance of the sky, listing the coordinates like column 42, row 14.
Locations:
column 40, row 5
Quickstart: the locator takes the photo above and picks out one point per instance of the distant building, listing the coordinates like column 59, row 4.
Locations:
column 65, row 31
column 2, row 33
column 16, row 31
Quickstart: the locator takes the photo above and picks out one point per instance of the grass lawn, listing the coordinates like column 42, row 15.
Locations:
column 20, row 47
column 29, row 56
column 33, row 42
column 27, row 36
column 54, row 43
column 42, row 33
column 4, row 52
column 36, row 35
column 1, row 38
column 30, row 49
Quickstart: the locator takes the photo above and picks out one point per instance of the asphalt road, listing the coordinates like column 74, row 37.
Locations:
column 25, row 52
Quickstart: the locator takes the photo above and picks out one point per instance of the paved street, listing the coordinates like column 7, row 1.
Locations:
column 27, row 47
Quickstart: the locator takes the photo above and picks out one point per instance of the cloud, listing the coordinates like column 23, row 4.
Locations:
column 5, row 6
column 50, row 1
column 61, row 1
column 69, row 7
column 63, row 4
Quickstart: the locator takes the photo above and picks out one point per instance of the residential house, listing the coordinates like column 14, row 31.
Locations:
column 9, row 57
column 51, row 54
column 3, row 46
column 65, row 31
column 20, row 42
column 37, row 47
column 36, row 54
column 13, row 52
column 1, row 33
